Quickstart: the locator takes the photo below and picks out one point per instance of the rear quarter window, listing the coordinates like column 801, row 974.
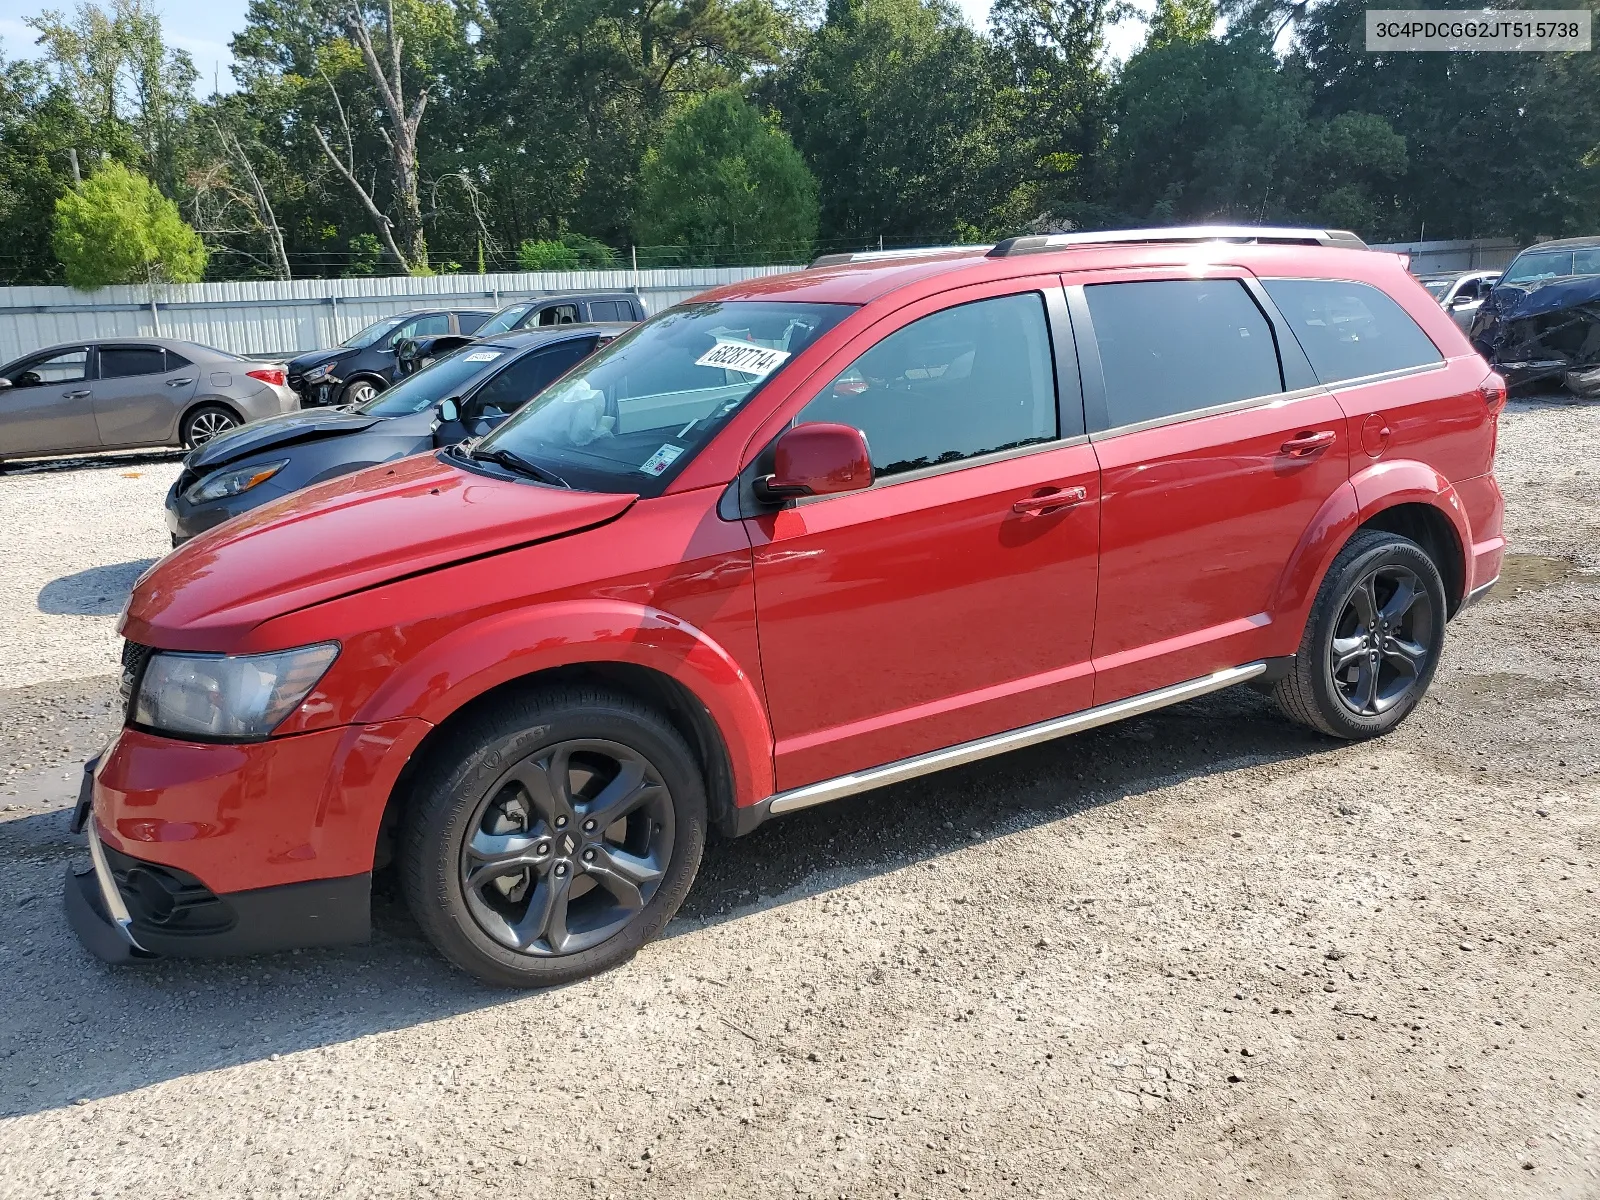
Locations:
column 1351, row 330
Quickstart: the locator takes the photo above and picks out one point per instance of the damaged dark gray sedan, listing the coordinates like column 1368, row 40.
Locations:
column 463, row 395
column 1541, row 323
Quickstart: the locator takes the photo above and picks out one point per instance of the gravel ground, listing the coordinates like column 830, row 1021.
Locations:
column 1203, row 953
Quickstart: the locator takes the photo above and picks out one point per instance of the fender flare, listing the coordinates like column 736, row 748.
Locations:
column 1368, row 492
column 471, row 661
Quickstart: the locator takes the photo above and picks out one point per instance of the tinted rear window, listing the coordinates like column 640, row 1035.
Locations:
column 1174, row 346
column 1350, row 330
column 116, row 362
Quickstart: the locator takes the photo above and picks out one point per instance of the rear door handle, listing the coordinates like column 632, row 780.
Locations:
column 78, row 395
column 178, row 382
column 1061, row 498
column 1303, row 444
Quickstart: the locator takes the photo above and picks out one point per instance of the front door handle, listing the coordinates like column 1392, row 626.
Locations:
column 1060, row 498
column 1303, row 444
column 78, row 395
column 178, row 382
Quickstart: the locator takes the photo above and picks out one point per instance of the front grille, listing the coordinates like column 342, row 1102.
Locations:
column 134, row 660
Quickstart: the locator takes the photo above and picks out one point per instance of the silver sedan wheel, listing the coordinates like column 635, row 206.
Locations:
column 207, row 425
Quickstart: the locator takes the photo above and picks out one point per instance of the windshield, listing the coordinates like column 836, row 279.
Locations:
column 635, row 413
column 1436, row 287
column 373, row 332
column 505, row 320
column 1551, row 264
column 435, row 382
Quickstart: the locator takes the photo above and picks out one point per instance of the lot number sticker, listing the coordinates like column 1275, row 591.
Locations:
column 482, row 356
column 745, row 357
column 661, row 459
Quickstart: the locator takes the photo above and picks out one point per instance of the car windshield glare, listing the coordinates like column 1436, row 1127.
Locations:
column 435, row 382
column 372, row 333
column 635, row 413
column 505, row 320
column 1546, row 264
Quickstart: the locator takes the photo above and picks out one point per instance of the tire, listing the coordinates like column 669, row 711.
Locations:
column 358, row 391
column 1333, row 687
column 489, row 851
column 206, row 422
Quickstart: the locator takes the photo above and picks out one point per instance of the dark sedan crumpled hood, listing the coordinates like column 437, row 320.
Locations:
column 1540, row 329
column 285, row 430
column 341, row 537
column 315, row 358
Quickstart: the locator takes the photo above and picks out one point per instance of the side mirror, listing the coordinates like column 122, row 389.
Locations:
column 449, row 410
column 819, row 459
column 4, row 383
column 1462, row 301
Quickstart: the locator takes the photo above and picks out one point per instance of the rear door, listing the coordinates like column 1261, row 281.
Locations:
column 954, row 599
column 1215, row 451
column 49, row 406
column 139, row 394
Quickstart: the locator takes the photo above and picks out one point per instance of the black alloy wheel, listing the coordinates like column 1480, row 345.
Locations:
column 551, row 833
column 567, row 847
column 1380, row 646
column 1372, row 641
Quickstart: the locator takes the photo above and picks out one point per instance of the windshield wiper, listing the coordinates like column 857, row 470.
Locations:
column 514, row 461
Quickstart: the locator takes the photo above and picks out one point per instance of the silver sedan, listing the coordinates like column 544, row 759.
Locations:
column 122, row 393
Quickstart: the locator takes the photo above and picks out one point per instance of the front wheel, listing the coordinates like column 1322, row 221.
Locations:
column 1372, row 642
column 553, row 839
column 358, row 391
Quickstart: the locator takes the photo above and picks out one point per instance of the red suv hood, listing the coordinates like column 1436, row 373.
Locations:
column 343, row 536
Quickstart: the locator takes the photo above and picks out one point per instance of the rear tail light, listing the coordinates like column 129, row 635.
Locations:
column 272, row 375
column 1493, row 391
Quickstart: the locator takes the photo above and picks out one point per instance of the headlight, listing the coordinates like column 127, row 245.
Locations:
column 318, row 374
column 228, row 696
column 230, row 483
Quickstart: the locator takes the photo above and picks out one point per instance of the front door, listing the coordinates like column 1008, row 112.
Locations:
column 139, row 393
column 1215, row 455
column 955, row 597
column 48, row 406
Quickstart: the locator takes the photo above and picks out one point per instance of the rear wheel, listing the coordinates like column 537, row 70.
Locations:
column 206, row 422
column 553, row 840
column 1372, row 642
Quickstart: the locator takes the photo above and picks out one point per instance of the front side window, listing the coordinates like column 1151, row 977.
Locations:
column 1170, row 347
column 505, row 320
column 1350, row 330
column 526, row 378
column 441, row 380
column 119, row 361
column 64, row 366
column 638, row 410
column 967, row 381
column 559, row 314
column 428, row 326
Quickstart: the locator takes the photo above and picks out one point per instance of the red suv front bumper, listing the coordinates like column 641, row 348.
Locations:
column 206, row 849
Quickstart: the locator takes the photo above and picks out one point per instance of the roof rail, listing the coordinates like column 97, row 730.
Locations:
column 1238, row 234
column 855, row 256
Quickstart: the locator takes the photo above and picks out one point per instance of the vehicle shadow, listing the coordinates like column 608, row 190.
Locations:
column 80, row 462
column 71, row 1028
column 97, row 592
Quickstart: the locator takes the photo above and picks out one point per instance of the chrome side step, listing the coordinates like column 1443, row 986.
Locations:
column 1014, row 739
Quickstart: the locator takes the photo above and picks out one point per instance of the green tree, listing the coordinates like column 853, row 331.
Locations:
column 1181, row 21
column 570, row 252
column 895, row 106
column 117, row 228
column 727, row 186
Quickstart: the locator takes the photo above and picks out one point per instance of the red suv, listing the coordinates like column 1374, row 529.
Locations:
column 803, row 536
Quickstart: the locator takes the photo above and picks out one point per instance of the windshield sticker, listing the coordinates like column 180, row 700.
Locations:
column 661, row 459
column 482, row 356
column 744, row 357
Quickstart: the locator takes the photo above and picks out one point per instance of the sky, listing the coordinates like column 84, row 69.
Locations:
column 203, row 28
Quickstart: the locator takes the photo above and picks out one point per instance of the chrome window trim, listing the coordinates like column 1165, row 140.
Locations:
column 1013, row 739
column 1215, row 410
column 961, row 464
column 1356, row 381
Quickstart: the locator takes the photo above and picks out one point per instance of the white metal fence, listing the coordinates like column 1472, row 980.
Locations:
column 266, row 318
column 1440, row 258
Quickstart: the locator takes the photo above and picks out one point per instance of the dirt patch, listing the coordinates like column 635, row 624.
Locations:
column 1521, row 573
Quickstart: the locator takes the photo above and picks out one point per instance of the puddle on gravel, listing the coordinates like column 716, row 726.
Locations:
column 1506, row 687
column 1521, row 573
